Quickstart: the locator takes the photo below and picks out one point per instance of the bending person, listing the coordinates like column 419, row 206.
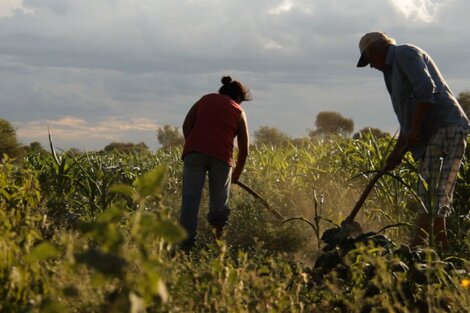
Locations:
column 433, row 126
column 209, row 129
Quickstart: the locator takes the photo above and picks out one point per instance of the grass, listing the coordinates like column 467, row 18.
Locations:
column 98, row 233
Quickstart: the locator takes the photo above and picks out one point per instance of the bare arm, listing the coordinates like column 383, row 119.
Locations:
column 189, row 121
column 414, row 134
column 395, row 157
column 243, row 144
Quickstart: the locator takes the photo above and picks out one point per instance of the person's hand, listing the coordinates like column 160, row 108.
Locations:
column 395, row 158
column 235, row 178
column 393, row 161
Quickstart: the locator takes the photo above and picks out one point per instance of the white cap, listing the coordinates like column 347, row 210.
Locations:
column 367, row 40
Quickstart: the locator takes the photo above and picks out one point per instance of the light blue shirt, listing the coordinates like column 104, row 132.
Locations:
column 412, row 77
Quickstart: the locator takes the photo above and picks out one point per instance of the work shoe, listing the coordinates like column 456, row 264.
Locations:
column 187, row 245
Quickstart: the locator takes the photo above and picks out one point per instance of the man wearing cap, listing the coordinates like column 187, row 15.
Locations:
column 433, row 126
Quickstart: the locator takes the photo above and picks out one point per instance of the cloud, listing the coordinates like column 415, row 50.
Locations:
column 76, row 132
column 423, row 10
column 125, row 60
column 68, row 122
column 285, row 6
column 147, row 36
column 9, row 8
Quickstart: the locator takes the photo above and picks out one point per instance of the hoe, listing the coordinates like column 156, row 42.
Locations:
column 264, row 202
column 350, row 227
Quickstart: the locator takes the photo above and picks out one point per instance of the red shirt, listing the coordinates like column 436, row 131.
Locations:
column 215, row 128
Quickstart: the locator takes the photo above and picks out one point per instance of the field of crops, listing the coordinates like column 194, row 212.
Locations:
column 99, row 233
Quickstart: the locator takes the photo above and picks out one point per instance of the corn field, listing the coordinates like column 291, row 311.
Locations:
column 99, row 232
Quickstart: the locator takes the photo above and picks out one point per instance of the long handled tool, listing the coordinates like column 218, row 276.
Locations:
column 356, row 227
column 349, row 227
column 264, row 202
column 350, row 219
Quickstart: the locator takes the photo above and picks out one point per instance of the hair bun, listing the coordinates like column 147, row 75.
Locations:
column 226, row 80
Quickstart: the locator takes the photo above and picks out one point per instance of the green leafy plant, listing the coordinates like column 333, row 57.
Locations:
column 98, row 232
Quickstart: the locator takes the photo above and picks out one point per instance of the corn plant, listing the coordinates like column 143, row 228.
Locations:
column 119, row 250
column 23, row 281
column 133, row 271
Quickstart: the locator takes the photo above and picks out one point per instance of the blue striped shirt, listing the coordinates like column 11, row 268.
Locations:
column 411, row 78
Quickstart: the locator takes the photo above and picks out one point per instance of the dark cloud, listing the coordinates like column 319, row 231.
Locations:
column 90, row 60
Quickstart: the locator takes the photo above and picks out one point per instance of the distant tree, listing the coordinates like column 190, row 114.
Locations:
column 169, row 136
column 464, row 100
column 126, row 147
column 329, row 123
column 8, row 142
column 376, row 132
column 270, row 136
column 74, row 152
column 36, row 147
column 299, row 142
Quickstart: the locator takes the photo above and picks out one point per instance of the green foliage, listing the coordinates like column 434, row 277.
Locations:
column 126, row 147
column 98, row 232
column 464, row 100
column 459, row 221
column 243, row 282
column 35, row 147
column 43, row 251
column 372, row 279
column 370, row 131
column 9, row 144
column 133, row 270
column 22, row 279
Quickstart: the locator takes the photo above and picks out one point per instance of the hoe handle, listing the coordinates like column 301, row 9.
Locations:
column 369, row 187
column 257, row 196
column 363, row 197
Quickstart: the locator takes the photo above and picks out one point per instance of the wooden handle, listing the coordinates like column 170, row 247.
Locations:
column 369, row 187
column 257, row 196
column 363, row 197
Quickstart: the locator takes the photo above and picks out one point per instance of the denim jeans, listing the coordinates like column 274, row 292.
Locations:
column 196, row 165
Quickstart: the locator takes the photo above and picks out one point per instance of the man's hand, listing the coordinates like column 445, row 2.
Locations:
column 395, row 158
column 393, row 161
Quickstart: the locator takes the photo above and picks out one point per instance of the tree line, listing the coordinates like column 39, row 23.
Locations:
column 327, row 123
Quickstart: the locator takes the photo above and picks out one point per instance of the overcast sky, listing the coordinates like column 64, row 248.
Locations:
column 98, row 71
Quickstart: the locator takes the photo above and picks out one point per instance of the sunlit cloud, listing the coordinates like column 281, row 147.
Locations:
column 423, row 10
column 74, row 129
column 285, row 6
column 68, row 121
column 8, row 8
column 288, row 5
column 270, row 44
